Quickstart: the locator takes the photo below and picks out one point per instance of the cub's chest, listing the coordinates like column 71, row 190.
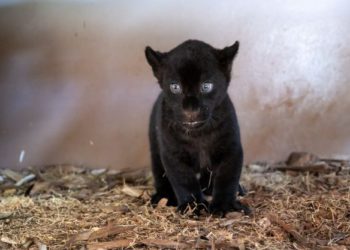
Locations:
column 204, row 149
column 204, row 158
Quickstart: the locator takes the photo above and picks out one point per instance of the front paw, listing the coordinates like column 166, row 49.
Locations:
column 193, row 207
column 222, row 208
column 158, row 196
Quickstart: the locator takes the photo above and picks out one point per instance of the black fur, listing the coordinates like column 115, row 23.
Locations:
column 195, row 133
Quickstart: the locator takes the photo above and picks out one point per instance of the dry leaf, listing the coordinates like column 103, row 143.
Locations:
column 82, row 236
column 345, row 241
column 255, row 168
column 301, row 159
column 164, row 243
column 4, row 245
column 97, row 233
column 264, row 223
column 12, row 174
column 131, row 191
column 98, row 171
column 108, row 231
column 74, row 182
column 110, row 244
column 9, row 192
column 145, row 196
column 162, row 203
column 39, row 187
column 228, row 222
column 108, row 209
column 306, row 242
column 8, row 240
column 332, row 248
column 5, row 215
column 28, row 243
column 234, row 215
column 42, row 246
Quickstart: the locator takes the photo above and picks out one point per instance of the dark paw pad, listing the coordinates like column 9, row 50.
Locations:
column 221, row 208
column 157, row 197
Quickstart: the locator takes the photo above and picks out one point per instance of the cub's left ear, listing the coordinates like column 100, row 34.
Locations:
column 225, row 57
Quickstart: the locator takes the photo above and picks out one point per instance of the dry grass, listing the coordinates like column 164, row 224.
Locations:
column 69, row 207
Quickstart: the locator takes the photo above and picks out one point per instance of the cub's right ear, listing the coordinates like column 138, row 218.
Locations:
column 154, row 58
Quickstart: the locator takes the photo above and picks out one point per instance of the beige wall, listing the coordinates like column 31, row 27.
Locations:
column 75, row 87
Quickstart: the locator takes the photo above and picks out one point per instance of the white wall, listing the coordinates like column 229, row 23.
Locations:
column 75, row 87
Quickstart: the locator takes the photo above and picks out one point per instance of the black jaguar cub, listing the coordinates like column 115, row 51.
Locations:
column 194, row 134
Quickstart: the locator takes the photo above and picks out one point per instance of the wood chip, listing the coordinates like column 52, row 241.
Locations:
column 25, row 179
column 110, row 244
column 317, row 219
column 319, row 167
column 291, row 230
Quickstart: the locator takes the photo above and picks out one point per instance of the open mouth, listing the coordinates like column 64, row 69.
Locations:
column 194, row 124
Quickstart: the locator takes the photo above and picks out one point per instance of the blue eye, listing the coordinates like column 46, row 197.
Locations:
column 206, row 87
column 175, row 88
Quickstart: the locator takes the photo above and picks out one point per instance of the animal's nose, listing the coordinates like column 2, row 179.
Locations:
column 191, row 107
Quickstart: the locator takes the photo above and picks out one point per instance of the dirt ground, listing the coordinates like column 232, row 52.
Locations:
column 303, row 203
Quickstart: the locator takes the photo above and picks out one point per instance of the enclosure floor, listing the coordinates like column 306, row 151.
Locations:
column 71, row 207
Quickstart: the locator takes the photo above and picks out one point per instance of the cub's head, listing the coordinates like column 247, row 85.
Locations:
column 194, row 77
